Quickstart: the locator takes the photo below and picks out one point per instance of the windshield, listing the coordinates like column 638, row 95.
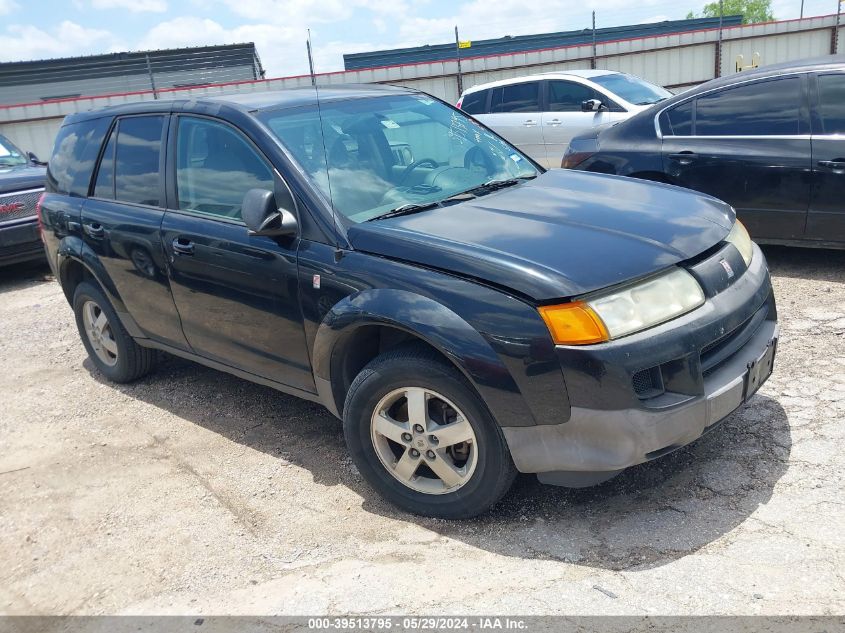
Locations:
column 632, row 89
column 371, row 156
column 10, row 155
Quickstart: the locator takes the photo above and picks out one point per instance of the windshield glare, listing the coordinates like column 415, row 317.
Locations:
column 9, row 154
column 632, row 89
column 369, row 156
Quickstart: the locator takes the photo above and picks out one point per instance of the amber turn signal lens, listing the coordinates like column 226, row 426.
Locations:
column 574, row 324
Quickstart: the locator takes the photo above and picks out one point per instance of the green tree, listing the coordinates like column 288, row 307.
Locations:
column 751, row 10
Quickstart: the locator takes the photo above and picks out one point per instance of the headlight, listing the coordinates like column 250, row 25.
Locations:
column 739, row 237
column 607, row 316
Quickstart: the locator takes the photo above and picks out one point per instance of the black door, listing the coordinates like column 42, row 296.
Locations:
column 121, row 222
column 748, row 145
column 236, row 294
column 826, row 220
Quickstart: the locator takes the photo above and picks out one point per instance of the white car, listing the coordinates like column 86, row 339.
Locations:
column 541, row 113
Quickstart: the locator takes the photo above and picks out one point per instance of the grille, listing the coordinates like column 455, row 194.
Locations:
column 648, row 383
column 18, row 204
column 715, row 354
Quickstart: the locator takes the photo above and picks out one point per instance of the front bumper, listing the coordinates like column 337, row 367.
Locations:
column 20, row 241
column 698, row 368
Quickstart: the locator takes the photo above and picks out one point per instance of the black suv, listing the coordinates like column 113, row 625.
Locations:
column 21, row 184
column 466, row 314
column 770, row 141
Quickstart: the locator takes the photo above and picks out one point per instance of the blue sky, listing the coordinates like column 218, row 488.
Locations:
column 37, row 29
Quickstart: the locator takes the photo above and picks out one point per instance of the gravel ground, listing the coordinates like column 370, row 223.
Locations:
column 197, row 492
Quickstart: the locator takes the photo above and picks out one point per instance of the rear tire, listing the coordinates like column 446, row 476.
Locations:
column 456, row 467
column 115, row 354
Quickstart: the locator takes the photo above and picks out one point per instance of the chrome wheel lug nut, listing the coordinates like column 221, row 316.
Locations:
column 418, row 428
column 432, row 439
column 429, row 454
column 406, row 437
column 415, row 452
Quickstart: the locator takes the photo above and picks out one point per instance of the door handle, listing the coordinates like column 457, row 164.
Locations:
column 183, row 246
column 684, row 158
column 94, row 229
column 554, row 122
column 529, row 123
column 835, row 165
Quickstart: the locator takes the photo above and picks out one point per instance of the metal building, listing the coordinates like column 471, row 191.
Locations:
column 525, row 43
column 74, row 77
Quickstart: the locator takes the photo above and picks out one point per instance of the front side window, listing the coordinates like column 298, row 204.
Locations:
column 215, row 167
column 832, row 103
column 10, row 156
column 521, row 97
column 678, row 120
column 567, row 96
column 370, row 156
column 764, row 108
column 137, row 171
column 475, row 102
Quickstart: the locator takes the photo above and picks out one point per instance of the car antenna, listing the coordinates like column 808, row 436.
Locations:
column 338, row 253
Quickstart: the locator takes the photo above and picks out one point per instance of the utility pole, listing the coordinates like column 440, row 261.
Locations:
column 458, row 58
column 310, row 59
column 152, row 78
column 802, row 10
column 719, row 43
column 836, row 32
column 593, row 60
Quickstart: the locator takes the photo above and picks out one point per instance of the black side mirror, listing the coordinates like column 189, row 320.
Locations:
column 263, row 216
column 34, row 159
column 591, row 105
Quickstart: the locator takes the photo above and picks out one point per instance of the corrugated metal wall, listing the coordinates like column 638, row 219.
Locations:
column 676, row 61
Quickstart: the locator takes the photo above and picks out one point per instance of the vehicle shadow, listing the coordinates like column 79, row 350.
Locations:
column 20, row 276
column 806, row 263
column 648, row 516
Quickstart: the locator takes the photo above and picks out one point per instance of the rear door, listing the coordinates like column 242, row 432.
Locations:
column 121, row 223
column 236, row 294
column 826, row 220
column 748, row 145
column 564, row 118
column 515, row 112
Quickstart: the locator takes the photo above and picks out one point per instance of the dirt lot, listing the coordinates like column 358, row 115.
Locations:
column 194, row 491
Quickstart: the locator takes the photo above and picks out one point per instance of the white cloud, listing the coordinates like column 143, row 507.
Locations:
column 135, row 6
column 68, row 38
column 7, row 6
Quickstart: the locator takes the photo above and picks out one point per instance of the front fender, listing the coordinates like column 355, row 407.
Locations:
column 431, row 322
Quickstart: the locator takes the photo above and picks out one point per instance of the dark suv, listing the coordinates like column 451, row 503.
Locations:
column 466, row 314
column 21, row 184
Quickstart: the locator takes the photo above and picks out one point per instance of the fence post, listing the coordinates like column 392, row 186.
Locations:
column 458, row 58
column 719, row 42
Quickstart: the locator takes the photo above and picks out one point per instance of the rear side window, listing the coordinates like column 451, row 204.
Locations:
column 522, row 97
column 764, row 108
column 74, row 155
column 475, row 102
column 215, row 167
column 678, row 120
column 137, row 160
column 567, row 96
column 832, row 103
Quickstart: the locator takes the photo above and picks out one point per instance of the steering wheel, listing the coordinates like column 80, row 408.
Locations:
column 417, row 163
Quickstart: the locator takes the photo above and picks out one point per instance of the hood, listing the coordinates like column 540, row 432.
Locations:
column 21, row 177
column 562, row 234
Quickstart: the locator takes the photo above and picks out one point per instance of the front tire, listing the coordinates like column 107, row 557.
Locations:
column 423, row 438
column 115, row 354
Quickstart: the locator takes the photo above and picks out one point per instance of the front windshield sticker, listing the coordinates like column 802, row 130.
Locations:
column 516, row 158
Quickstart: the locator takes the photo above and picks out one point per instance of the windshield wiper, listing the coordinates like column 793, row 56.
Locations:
column 405, row 209
column 493, row 185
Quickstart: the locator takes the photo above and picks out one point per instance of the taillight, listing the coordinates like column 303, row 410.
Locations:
column 38, row 215
column 458, row 104
column 574, row 159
